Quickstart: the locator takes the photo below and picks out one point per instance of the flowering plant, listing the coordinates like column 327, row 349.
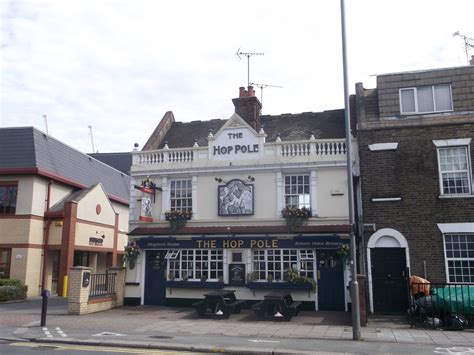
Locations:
column 178, row 214
column 295, row 216
column 343, row 252
column 295, row 212
column 132, row 251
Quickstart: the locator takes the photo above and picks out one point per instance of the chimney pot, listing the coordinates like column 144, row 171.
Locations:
column 242, row 92
column 472, row 60
column 251, row 91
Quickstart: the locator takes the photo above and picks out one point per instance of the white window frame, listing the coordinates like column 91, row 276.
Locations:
column 304, row 257
column 415, row 93
column 176, row 257
column 188, row 182
column 308, row 175
column 460, row 258
column 454, row 143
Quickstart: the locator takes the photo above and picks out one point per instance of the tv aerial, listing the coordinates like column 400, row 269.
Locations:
column 248, row 55
column 263, row 86
column 468, row 43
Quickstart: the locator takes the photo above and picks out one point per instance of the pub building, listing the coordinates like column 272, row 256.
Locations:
column 253, row 203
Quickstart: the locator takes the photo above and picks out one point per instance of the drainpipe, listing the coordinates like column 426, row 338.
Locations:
column 46, row 237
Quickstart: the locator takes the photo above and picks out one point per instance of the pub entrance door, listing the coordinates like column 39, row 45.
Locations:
column 155, row 277
column 389, row 280
column 330, row 281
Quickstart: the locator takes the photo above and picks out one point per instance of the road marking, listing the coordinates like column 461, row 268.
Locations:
column 47, row 333
column 108, row 334
column 102, row 349
column 263, row 341
column 60, row 332
column 454, row 350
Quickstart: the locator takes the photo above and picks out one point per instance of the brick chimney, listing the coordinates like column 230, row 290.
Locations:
column 248, row 106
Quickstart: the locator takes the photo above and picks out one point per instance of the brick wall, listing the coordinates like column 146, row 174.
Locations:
column 411, row 172
column 461, row 80
column 79, row 301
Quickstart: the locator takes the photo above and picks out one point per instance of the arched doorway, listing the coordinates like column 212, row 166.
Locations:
column 388, row 270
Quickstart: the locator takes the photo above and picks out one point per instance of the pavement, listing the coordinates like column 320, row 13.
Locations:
column 156, row 327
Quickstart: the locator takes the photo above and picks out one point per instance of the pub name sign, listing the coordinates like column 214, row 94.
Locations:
column 313, row 242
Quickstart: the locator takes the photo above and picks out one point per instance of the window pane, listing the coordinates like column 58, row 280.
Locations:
column 407, row 97
column 443, row 97
column 425, row 99
column 459, row 255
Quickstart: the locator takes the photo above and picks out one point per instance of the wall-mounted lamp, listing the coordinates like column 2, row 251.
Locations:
column 100, row 234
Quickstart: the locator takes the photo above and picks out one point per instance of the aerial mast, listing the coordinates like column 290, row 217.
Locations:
column 248, row 55
column 92, row 139
column 468, row 43
column 263, row 86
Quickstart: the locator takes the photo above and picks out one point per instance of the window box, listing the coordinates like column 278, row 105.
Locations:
column 194, row 284
column 278, row 286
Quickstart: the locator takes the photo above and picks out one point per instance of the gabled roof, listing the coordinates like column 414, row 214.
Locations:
column 73, row 196
column 121, row 161
column 290, row 127
column 26, row 150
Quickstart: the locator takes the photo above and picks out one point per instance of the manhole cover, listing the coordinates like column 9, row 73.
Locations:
column 161, row 337
column 45, row 347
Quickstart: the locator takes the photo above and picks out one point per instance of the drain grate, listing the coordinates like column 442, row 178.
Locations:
column 161, row 337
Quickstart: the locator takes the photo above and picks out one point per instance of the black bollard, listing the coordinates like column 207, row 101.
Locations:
column 44, row 306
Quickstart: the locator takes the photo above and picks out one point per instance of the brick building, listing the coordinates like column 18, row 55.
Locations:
column 415, row 133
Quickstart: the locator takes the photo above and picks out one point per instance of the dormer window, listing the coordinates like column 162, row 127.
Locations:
column 426, row 99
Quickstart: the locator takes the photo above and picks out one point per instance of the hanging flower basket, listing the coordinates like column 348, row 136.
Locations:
column 295, row 216
column 132, row 251
column 177, row 218
column 344, row 253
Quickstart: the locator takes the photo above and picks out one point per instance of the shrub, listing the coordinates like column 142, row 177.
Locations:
column 9, row 293
column 10, row 282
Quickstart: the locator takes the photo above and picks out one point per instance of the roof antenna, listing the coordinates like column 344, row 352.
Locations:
column 263, row 86
column 92, row 140
column 468, row 43
column 46, row 124
column 248, row 55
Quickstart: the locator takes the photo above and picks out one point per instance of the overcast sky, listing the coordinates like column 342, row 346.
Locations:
column 120, row 65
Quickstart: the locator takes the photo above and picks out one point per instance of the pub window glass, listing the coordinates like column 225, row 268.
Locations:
column 237, row 257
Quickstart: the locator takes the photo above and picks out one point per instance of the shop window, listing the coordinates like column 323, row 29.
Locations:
column 297, row 191
column 181, row 195
column 5, row 259
column 8, row 194
column 195, row 265
column 272, row 264
column 460, row 257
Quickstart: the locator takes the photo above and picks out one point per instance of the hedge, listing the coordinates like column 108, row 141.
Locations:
column 10, row 282
column 12, row 290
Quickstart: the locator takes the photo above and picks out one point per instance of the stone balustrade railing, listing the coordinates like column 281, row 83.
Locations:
column 329, row 149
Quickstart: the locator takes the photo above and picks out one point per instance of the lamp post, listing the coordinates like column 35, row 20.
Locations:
column 354, row 286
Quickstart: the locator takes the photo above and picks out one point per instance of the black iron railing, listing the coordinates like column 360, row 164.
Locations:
column 442, row 305
column 102, row 284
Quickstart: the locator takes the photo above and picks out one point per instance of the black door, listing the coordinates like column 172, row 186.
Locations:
column 155, row 290
column 389, row 280
column 330, row 281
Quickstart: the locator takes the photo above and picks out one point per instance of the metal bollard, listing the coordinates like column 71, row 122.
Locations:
column 44, row 306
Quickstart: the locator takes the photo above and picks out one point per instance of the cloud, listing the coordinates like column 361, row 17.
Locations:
column 119, row 66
